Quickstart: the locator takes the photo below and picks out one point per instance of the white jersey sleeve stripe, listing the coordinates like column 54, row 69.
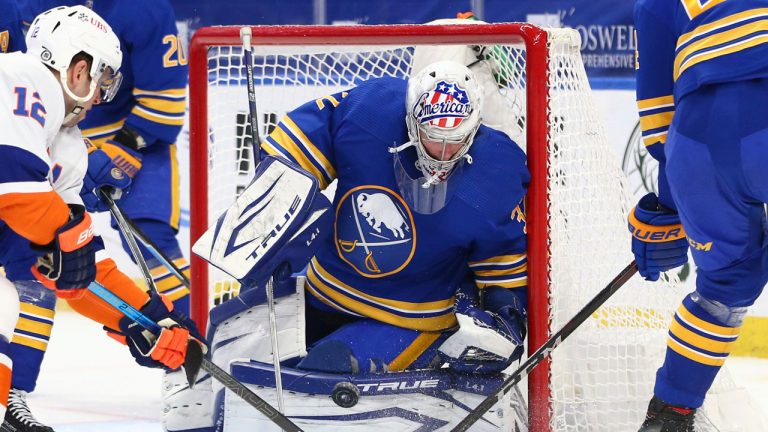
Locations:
column 25, row 187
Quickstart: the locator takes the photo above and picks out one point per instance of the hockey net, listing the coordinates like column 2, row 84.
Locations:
column 601, row 378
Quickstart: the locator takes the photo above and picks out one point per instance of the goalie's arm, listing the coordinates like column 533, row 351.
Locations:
column 305, row 136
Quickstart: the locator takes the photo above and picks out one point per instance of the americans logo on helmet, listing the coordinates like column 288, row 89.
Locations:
column 445, row 106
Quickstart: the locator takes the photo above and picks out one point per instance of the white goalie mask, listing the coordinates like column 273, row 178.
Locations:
column 443, row 107
column 59, row 34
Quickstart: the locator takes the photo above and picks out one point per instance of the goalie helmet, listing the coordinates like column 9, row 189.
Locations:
column 443, row 105
column 57, row 35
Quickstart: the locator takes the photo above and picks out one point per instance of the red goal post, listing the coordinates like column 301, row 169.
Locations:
column 576, row 204
column 535, row 41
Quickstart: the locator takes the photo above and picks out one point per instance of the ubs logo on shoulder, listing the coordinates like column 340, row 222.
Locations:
column 374, row 231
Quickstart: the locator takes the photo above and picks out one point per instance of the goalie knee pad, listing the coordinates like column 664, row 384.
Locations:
column 332, row 356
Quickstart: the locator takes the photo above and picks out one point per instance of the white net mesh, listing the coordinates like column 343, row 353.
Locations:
column 601, row 377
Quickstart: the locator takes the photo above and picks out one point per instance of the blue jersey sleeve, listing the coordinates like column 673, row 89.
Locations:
column 305, row 136
column 159, row 68
column 498, row 254
column 655, row 83
column 152, row 98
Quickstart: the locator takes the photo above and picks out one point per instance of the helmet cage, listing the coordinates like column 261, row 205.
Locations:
column 444, row 105
column 438, row 169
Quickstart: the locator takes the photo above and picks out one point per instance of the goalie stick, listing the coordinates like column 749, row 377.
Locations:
column 546, row 349
column 245, row 35
column 195, row 360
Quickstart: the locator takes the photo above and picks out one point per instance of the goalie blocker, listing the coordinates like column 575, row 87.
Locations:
column 278, row 221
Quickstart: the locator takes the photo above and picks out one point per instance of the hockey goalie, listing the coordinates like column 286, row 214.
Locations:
column 398, row 305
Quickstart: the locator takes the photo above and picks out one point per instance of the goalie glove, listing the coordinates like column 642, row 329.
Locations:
column 69, row 263
column 658, row 239
column 486, row 342
column 169, row 349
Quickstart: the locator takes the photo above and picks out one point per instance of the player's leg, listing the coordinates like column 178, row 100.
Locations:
column 351, row 354
column 28, row 347
column 9, row 313
column 724, row 219
column 153, row 205
column 365, row 345
column 31, row 334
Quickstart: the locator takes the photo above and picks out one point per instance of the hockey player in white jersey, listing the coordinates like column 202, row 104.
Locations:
column 40, row 91
column 72, row 63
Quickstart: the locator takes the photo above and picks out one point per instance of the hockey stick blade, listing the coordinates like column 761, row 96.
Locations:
column 546, row 349
column 216, row 372
column 193, row 361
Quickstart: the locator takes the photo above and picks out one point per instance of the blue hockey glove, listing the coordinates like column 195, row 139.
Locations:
column 69, row 263
column 658, row 239
column 102, row 173
column 124, row 148
column 169, row 349
column 486, row 342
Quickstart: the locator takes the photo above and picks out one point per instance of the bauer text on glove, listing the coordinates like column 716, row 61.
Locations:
column 658, row 239
column 69, row 262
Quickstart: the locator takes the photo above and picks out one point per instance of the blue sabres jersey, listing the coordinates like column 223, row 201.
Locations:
column 685, row 44
column 385, row 261
column 11, row 36
column 152, row 97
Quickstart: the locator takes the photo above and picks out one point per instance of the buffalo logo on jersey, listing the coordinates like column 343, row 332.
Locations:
column 374, row 232
column 445, row 106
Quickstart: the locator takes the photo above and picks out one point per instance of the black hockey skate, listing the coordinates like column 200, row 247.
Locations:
column 18, row 417
column 662, row 417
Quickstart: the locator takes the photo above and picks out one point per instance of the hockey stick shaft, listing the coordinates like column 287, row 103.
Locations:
column 246, row 35
column 128, row 234
column 155, row 250
column 216, row 372
column 546, row 349
column 127, row 225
